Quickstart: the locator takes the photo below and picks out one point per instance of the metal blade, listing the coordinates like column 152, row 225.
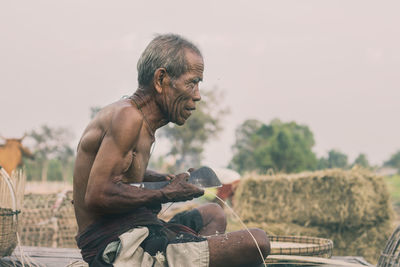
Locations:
column 204, row 177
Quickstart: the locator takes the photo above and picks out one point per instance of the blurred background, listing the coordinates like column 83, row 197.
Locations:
column 331, row 67
column 289, row 86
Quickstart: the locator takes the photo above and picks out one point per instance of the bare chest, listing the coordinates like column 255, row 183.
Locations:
column 140, row 159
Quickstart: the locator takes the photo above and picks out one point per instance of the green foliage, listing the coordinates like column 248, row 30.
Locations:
column 394, row 188
column 33, row 169
column 336, row 159
column 284, row 147
column 187, row 141
column 394, row 161
column 53, row 155
column 362, row 161
column 54, row 172
column 246, row 142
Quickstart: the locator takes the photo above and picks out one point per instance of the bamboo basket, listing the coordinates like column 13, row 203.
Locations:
column 8, row 215
column 390, row 256
column 301, row 246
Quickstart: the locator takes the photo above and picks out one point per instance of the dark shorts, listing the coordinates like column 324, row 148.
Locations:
column 168, row 238
column 161, row 236
column 190, row 218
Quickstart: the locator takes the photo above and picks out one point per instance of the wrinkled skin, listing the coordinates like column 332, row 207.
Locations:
column 114, row 151
column 179, row 96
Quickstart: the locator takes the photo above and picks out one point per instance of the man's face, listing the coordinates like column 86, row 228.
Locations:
column 183, row 93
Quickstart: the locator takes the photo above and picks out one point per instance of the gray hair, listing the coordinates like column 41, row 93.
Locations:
column 164, row 51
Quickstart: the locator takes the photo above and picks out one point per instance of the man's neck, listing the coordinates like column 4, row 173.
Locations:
column 146, row 102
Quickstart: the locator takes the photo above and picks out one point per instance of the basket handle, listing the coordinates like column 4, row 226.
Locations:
column 12, row 190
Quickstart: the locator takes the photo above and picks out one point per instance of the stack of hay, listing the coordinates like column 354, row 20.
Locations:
column 67, row 226
column 350, row 207
column 48, row 220
column 37, row 228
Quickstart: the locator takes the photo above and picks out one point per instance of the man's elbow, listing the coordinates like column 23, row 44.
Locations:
column 95, row 202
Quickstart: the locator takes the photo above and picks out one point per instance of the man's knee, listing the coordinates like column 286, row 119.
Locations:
column 213, row 212
column 262, row 241
column 242, row 248
column 219, row 215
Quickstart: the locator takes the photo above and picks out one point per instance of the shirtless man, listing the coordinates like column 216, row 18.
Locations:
column 114, row 151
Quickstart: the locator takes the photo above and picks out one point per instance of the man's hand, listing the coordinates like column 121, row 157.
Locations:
column 169, row 177
column 180, row 190
column 152, row 176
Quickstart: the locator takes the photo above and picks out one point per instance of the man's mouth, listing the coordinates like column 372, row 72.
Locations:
column 190, row 110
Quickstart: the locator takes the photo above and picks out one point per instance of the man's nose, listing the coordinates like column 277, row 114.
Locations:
column 196, row 95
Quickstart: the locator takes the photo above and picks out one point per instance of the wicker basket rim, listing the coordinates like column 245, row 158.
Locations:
column 299, row 239
column 300, row 245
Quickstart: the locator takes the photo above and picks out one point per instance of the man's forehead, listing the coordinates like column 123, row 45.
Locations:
column 197, row 67
column 195, row 61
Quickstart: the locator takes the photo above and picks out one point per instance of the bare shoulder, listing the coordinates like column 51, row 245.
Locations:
column 125, row 124
column 120, row 121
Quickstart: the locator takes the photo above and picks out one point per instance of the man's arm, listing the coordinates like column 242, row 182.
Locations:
column 105, row 190
column 106, row 193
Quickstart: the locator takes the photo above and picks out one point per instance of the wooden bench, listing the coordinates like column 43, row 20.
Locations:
column 60, row 257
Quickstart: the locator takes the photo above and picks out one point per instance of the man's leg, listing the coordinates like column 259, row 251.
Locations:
column 238, row 248
column 231, row 249
column 214, row 219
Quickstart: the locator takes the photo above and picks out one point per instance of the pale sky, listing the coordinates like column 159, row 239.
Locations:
column 332, row 65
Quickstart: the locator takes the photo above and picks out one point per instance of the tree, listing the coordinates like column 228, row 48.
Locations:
column 66, row 156
column 362, row 161
column 49, row 144
column 336, row 159
column 394, row 161
column 284, row 147
column 246, row 139
column 187, row 141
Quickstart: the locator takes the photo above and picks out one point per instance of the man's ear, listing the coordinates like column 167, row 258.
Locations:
column 159, row 75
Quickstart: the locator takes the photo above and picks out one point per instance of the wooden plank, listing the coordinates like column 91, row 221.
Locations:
column 43, row 256
column 304, row 260
column 353, row 259
column 56, row 257
column 49, row 252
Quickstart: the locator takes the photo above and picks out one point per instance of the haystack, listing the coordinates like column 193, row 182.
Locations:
column 48, row 220
column 350, row 207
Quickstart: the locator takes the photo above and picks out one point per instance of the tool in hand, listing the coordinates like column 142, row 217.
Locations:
column 203, row 177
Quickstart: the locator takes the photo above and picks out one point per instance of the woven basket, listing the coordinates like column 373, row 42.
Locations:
column 301, row 246
column 390, row 257
column 8, row 221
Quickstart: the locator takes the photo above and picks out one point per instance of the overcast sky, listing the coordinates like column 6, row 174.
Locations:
column 332, row 65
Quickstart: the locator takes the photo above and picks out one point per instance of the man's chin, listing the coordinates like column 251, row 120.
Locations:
column 180, row 122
